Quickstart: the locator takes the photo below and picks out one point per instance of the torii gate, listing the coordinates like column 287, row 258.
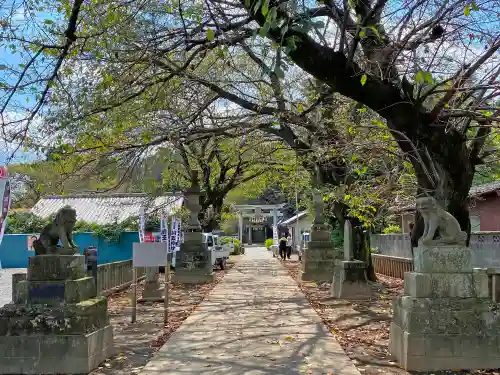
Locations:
column 256, row 213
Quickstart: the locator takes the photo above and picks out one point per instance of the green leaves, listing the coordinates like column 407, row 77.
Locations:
column 264, row 29
column 265, row 8
column 363, row 79
column 257, row 5
column 210, row 35
column 424, row 77
column 472, row 6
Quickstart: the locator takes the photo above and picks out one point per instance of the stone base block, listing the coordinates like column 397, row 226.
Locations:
column 439, row 285
column 318, row 261
column 317, row 275
column 152, row 291
column 349, row 280
column 16, row 278
column 442, row 259
column 54, row 292
column 56, row 267
column 76, row 319
column 457, row 316
column 193, row 256
column 55, row 354
column 435, row 352
column 321, row 234
column 193, row 277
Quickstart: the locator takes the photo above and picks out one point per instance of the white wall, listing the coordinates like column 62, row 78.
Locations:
column 304, row 225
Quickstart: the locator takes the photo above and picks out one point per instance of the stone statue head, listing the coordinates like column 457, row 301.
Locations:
column 66, row 217
column 426, row 204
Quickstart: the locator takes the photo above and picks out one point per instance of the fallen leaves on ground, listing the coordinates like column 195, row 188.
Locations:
column 362, row 327
column 137, row 342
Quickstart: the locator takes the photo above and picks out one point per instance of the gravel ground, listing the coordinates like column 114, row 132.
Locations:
column 6, row 284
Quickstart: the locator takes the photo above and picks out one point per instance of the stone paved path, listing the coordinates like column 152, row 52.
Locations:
column 255, row 322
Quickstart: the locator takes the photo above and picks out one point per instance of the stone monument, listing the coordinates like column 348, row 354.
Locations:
column 349, row 278
column 319, row 259
column 152, row 291
column 445, row 319
column 193, row 262
column 56, row 323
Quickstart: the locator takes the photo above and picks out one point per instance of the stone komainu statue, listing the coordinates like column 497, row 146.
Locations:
column 435, row 217
column 61, row 228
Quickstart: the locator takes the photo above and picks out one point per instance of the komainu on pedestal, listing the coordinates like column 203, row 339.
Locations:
column 56, row 323
column 445, row 319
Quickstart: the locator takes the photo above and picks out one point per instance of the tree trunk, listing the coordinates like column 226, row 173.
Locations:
column 210, row 215
column 361, row 247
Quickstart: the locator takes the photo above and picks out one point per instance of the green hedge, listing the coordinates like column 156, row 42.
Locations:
column 269, row 242
column 26, row 222
column 237, row 244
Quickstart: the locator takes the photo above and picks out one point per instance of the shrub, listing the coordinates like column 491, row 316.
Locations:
column 237, row 244
column 338, row 238
column 392, row 228
column 225, row 240
column 269, row 242
column 25, row 222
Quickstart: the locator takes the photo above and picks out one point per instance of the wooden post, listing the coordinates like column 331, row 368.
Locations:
column 165, row 301
column 134, row 295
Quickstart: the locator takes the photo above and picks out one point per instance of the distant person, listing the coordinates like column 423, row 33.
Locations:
column 288, row 247
column 411, row 225
column 282, row 248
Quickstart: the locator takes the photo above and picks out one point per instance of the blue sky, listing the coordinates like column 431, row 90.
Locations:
column 13, row 12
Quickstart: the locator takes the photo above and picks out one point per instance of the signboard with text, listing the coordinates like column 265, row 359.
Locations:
column 149, row 254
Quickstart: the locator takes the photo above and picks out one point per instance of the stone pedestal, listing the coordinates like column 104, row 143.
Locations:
column 445, row 320
column 318, row 262
column 56, row 324
column 349, row 280
column 152, row 289
column 193, row 263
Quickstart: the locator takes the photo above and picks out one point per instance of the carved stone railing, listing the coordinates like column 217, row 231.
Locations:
column 392, row 266
column 115, row 276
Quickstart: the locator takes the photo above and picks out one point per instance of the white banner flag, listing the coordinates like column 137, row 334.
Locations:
column 6, row 200
column 164, row 233
column 175, row 234
column 275, row 235
column 142, row 225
